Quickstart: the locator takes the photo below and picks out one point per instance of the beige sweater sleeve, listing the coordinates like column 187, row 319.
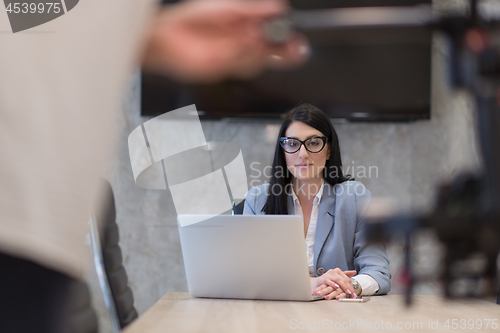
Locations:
column 61, row 85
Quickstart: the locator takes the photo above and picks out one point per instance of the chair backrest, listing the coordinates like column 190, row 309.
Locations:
column 113, row 278
column 238, row 205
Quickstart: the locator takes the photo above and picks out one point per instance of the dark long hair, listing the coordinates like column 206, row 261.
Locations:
column 280, row 183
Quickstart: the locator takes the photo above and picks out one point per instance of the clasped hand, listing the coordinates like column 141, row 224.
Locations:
column 334, row 284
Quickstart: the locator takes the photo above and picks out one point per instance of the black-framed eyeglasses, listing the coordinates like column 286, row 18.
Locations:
column 313, row 145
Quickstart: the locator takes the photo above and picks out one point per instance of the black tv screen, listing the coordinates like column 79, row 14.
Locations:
column 359, row 74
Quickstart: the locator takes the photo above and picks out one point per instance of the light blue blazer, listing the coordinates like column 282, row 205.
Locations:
column 340, row 239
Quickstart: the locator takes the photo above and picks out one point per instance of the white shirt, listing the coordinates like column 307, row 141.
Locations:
column 368, row 284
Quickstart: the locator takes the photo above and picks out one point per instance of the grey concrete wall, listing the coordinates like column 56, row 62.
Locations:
column 408, row 161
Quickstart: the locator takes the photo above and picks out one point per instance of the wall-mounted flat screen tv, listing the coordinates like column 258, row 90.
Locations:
column 358, row 74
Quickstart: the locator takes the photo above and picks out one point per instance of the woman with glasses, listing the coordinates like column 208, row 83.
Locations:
column 307, row 180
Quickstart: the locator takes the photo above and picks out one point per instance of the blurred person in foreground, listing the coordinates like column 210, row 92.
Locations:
column 60, row 88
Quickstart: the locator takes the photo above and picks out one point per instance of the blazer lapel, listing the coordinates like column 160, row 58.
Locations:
column 325, row 222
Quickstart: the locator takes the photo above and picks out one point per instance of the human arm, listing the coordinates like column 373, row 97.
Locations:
column 198, row 41
column 366, row 284
column 370, row 261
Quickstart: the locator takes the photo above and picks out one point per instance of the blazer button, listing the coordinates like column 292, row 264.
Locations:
column 320, row 271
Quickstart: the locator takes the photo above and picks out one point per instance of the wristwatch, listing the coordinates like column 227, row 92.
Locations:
column 357, row 288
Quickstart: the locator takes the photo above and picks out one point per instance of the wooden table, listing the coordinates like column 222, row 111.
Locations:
column 179, row 312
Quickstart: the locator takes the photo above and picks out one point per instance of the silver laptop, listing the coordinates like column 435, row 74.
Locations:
column 245, row 256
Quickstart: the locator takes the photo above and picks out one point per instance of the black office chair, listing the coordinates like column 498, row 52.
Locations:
column 108, row 258
column 238, row 205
